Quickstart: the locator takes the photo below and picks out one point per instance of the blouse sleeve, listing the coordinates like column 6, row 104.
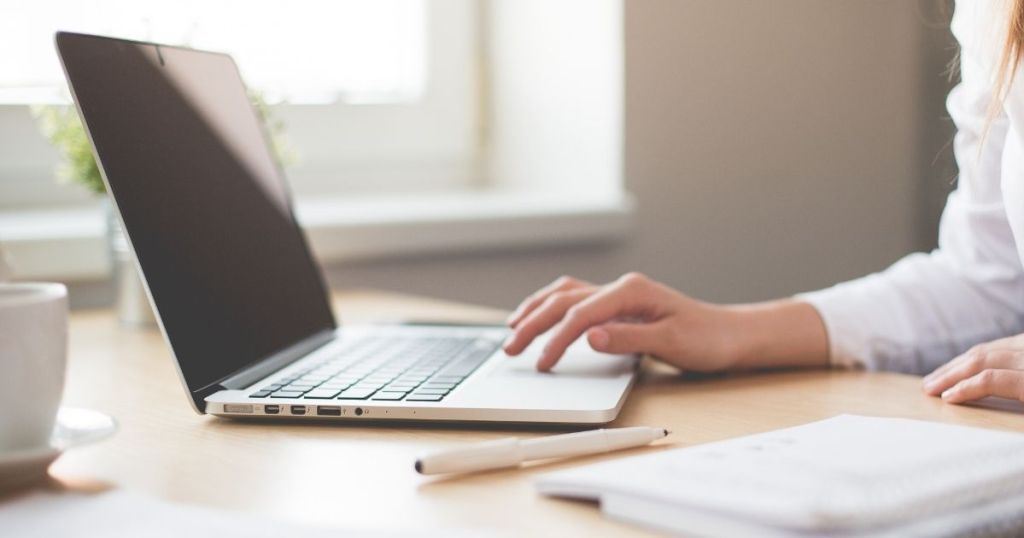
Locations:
column 928, row 308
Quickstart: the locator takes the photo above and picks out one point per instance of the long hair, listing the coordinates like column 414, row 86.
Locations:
column 1009, row 61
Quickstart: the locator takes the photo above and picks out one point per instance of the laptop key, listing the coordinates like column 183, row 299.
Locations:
column 389, row 395
column 346, row 382
column 356, row 394
column 260, row 394
column 403, row 387
column 368, row 386
column 432, row 391
column 424, row 397
column 325, row 394
column 286, row 394
column 438, row 385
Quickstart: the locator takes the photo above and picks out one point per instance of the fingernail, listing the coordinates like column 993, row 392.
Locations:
column 947, row 394
column 508, row 342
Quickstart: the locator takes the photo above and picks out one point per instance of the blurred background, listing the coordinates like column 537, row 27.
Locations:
column 477, row 149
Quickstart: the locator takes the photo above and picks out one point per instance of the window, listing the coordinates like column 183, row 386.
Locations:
column 375, row 94
column 347, row 50
column 499, row 122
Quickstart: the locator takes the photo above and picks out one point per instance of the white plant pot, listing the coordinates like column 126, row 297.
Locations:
column 5, row 266
column 130, row 299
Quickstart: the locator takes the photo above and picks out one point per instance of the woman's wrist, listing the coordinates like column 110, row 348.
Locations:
column 775, row 334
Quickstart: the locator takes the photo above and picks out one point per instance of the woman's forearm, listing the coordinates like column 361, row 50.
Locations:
column 777, row 334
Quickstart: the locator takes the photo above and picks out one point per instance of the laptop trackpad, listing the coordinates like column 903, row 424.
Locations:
column 579, row 362
column 584, row 380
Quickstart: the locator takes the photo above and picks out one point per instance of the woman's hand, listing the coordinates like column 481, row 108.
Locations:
column 635, row 314
column 995, row 368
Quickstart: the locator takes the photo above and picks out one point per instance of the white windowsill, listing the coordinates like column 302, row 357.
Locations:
column 70, row 244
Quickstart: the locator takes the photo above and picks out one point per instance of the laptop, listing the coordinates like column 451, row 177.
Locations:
column 238, row 296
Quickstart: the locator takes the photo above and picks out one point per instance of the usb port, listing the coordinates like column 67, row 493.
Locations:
column 328, row 410
column 298, row 409
column 271, row 409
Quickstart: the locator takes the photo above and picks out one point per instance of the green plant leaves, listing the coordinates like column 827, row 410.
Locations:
column 63, row 128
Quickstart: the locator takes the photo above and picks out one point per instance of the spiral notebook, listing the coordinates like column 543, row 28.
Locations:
column 845, row 476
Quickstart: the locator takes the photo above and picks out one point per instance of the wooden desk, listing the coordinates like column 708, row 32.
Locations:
column 353, row 475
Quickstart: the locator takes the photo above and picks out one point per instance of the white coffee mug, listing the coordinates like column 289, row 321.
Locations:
column 33, row 356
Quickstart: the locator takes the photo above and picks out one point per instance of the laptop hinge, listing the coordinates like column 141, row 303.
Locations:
column 251, row 374
column 199, row 396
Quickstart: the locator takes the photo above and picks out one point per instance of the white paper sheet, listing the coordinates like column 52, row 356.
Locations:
column 120, row 514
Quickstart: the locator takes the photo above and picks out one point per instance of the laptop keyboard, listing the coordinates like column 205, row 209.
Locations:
column 414, row 369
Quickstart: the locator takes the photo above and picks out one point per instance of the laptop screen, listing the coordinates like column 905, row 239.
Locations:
column 204, row 203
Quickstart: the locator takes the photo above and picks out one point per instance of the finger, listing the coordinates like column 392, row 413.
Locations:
column 1002, row 343
column 1001, row 383
column 542, row 318
column 617, row 337
column 564, row 283
column 971, row 364
column 955, row 361
column 628, row 295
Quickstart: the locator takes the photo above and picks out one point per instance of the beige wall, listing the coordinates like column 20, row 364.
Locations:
column 772, row 147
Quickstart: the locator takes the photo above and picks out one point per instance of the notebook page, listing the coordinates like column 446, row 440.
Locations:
column 842, row 472
column 998, row 519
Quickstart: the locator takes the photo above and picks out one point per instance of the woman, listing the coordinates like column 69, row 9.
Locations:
column 964, row 301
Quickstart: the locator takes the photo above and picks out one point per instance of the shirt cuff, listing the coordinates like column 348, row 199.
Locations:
column 847, row 347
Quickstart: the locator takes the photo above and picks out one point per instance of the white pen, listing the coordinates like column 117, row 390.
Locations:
column 510, row 452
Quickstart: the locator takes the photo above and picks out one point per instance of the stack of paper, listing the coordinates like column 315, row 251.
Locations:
column 845, row 476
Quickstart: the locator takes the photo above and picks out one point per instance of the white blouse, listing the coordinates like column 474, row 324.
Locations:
column 928, row 308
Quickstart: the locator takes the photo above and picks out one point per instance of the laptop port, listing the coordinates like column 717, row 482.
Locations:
column 359, row 411
column 328, row 411
column 271, row 409
column 298, row 409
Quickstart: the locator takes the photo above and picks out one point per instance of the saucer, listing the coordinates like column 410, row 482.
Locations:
column 74, row 427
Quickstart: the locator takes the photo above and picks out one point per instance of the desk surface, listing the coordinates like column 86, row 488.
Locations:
column 359, row 476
